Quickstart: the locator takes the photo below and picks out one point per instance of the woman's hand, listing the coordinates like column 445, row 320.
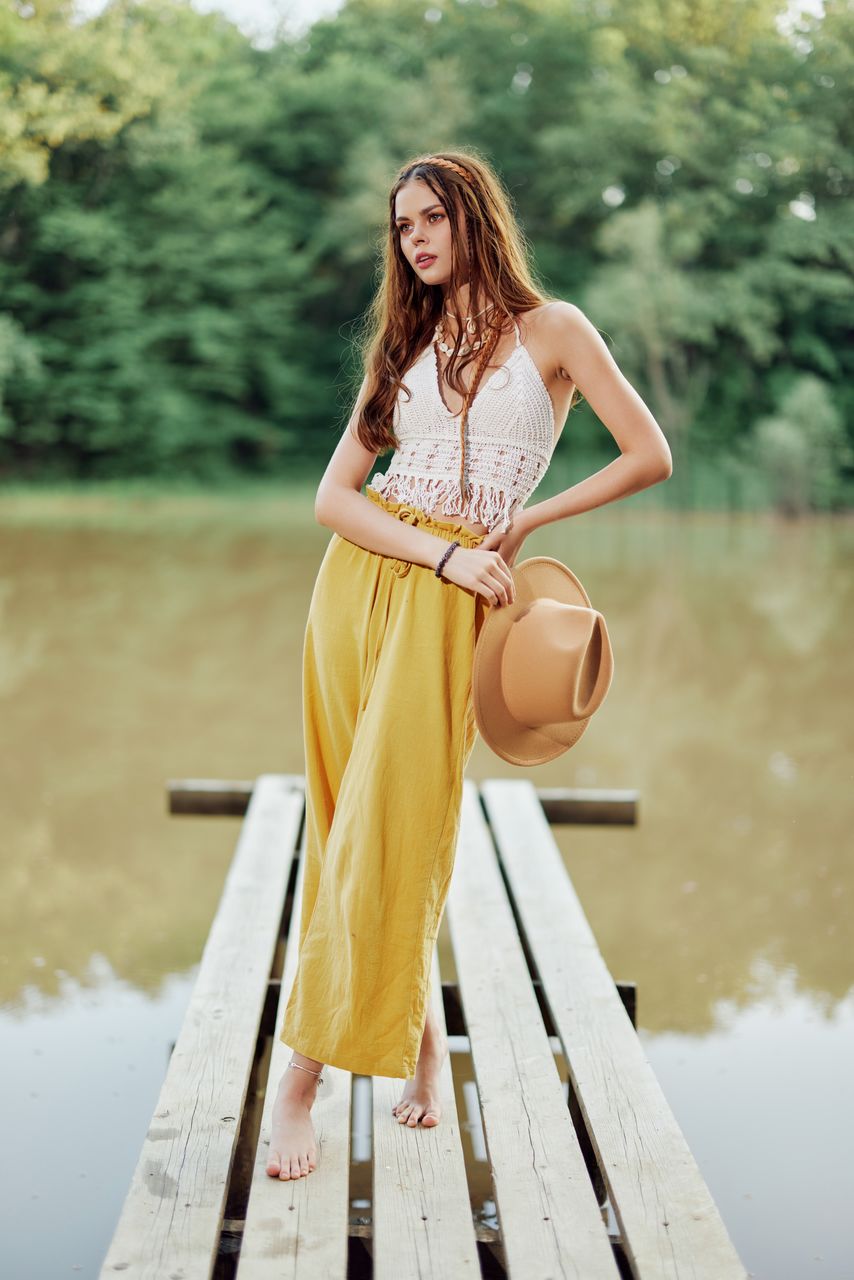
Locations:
column 506, row 544
column 481, row 571
column 486, row 567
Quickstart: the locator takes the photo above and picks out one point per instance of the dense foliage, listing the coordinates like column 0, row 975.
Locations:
column 190, row 223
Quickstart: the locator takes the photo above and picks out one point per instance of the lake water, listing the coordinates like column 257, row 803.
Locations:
column 149, row 638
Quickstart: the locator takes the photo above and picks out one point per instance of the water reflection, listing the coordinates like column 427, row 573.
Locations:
column 144, row 639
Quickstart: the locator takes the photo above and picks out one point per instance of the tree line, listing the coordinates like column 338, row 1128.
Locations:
column 190, row 222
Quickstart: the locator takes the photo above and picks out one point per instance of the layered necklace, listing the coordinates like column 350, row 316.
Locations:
column 470, row 328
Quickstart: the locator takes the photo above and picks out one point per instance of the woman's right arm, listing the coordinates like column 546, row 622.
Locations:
column 341, row 506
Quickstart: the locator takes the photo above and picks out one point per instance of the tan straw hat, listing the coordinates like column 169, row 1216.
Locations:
column 542, row 665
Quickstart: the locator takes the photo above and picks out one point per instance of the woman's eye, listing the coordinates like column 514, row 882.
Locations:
column 404, row 226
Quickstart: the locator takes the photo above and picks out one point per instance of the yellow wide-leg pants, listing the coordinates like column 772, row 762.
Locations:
column 389, row 726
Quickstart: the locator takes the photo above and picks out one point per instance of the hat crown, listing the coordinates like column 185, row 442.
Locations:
column 551, row 667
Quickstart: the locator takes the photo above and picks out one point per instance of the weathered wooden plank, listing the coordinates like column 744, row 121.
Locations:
column 218, row 796
column 224, row 798
column 551, row 1224
column 422, row 1219
column 172, row 1215
column 589, row 805
column 298, row 1229
column 670, row 1224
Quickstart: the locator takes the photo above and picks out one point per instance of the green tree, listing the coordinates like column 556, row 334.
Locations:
column 190, row 225
column 802, row 449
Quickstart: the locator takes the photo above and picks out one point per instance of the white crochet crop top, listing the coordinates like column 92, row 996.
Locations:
column 509, row 442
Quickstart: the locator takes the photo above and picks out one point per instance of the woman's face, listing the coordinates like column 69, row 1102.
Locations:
column 424, row 227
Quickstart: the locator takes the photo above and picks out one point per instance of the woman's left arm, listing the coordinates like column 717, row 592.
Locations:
column 645, row 457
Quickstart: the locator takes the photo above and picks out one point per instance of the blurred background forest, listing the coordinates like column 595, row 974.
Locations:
column 191, row 224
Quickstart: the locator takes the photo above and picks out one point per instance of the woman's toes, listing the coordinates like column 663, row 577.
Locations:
column 429, row 1119
column 274, row 1162
column 403, row 1113
column 303, row 1165
column 413, row 1119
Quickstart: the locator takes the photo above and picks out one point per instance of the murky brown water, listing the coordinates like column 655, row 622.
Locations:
column 142, row 640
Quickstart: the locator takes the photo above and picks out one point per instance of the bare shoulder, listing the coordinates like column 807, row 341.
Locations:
column 555, row 327
column 558, row 320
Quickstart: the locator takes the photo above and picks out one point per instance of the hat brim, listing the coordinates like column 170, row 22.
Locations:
column 514, row 742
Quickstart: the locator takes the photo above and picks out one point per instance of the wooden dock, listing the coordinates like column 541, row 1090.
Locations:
column 590, row 1174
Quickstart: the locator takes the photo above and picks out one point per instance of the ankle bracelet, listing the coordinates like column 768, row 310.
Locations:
column 309, row 1070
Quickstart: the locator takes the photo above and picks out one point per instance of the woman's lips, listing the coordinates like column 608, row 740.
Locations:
column 426, row 262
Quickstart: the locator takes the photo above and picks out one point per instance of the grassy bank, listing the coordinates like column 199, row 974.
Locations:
column 697, row 484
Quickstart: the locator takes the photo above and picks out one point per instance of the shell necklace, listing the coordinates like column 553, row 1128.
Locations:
column 470, row 328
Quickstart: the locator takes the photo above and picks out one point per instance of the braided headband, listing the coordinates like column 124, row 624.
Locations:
column 448, row 164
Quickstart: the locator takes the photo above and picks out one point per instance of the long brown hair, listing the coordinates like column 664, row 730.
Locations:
column 404, row 311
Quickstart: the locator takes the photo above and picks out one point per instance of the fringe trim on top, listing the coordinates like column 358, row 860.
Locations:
column 486, row 504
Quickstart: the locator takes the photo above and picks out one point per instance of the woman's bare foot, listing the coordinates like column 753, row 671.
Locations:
column 421, row 1099
column 293, row 1149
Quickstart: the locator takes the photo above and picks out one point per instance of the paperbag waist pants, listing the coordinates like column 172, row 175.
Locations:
column 388, row 723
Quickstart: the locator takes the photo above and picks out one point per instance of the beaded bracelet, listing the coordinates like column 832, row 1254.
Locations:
column 440, row 566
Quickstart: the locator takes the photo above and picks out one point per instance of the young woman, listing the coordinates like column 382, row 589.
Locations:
column 411, row 568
